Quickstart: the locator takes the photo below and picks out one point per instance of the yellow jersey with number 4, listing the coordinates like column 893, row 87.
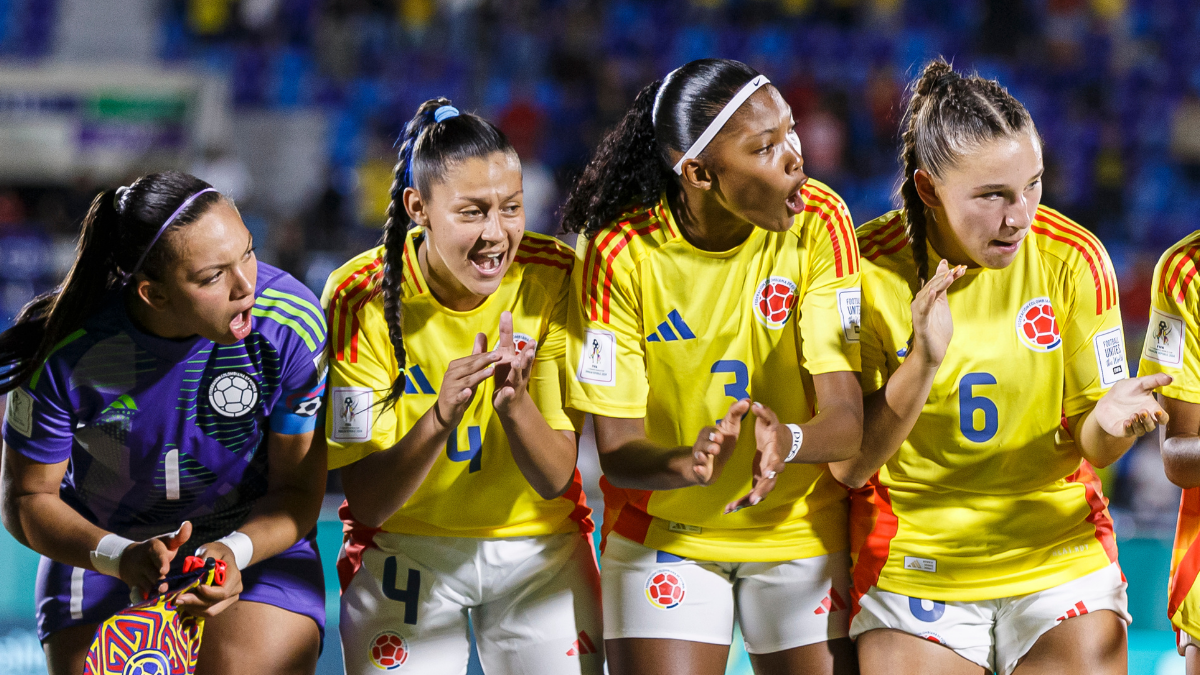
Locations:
column 475, row 488
column 1173, row 347
column 989, row 497
column 664, row 331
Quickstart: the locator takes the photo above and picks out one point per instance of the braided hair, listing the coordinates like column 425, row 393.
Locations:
column 428, row 148
column 948, row 115
column 632, row 165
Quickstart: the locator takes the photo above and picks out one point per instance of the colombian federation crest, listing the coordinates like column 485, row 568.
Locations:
column 665, row 589
column 773, row 301
column 389, row 651
column 233, row 394
column 522, row 341
column 1037, row 327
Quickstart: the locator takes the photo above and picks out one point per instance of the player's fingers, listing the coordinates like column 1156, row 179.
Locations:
column 1149, row 383
column 480, row 344
column 473, row 363
column 472, row 380
column 942, row 284
column 738, row 505
column 764, row 413
column 942, row 269
column 753, row 498
column 505, row 343
column 173, row 540
column 732, row 422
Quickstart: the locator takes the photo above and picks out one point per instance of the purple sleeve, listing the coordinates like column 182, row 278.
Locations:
column 38, row 421
column 290, row 316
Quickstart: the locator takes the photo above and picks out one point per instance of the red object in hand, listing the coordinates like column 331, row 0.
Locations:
column 192, row 563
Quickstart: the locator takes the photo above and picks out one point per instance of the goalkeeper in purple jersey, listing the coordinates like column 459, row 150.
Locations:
column 162, row 402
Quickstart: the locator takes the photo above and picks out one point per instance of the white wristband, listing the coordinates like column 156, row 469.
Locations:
column 797, row 440
column 106, row 559
column 240, row 544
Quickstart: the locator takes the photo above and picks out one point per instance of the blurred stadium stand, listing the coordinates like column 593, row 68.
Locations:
column 292, row 106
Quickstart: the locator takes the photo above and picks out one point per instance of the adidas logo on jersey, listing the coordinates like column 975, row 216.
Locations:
column 415, row 381
column 664, row 333
column 833, row 602
column 582, row 646
column 1079, row 610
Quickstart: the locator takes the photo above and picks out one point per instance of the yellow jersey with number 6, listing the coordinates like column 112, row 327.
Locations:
column 475, row 488
column 664, row 331
column 988, row 497
column 1173, row 347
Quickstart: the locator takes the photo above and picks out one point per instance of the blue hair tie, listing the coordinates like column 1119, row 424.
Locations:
column 444, row 113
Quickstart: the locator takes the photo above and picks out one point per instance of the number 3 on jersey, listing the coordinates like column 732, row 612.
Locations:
column 971, row 407
column 738, row 389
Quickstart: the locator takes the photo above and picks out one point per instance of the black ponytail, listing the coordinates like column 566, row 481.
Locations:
column 116, row 232
column 428, row 148
column 632, row 166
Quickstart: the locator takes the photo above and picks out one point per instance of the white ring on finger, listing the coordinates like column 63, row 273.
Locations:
column 769, row 475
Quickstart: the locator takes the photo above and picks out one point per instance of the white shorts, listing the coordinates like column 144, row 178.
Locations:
column 534, row 603
column 1183, row 639
column 779, row 605
column 1015, row 622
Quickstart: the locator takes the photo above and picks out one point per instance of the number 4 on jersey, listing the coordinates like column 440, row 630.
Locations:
column 474, row 454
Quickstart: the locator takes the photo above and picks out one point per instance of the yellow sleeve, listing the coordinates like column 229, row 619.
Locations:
column 356, row 423
column 1093, row 342
column 875, row 371
column 605, row 346
column 1172, row 342
column 830, row 311
column 548, row 382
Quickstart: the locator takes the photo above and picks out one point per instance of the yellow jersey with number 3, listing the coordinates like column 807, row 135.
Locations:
column 475, row 488
column 989, row 497
column 1173, row 347
column 664, row 331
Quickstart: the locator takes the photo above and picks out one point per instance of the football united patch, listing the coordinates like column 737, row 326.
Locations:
column 1037, row 327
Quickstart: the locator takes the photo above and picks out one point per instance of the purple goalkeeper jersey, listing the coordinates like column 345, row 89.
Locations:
column 160, row 431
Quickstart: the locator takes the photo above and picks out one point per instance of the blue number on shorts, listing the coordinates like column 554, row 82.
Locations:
column 968, row 403
column 411, row 594
column 741, row 379
column 917, row 607
column 474, row 455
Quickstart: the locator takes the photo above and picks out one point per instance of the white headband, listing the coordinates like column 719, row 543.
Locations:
column 720, row 120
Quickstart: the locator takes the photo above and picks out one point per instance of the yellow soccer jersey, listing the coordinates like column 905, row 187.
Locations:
column 673, row 334
column 474, row 488
column 988, row 497
column 1173, row 347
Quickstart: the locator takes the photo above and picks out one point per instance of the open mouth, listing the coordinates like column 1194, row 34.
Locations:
column 1007, row 246
column 795, row 201
column 240, row 324
column 488, row 263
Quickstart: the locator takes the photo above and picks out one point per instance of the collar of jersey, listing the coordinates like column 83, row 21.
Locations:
column 411, row 244
column 729, row 253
